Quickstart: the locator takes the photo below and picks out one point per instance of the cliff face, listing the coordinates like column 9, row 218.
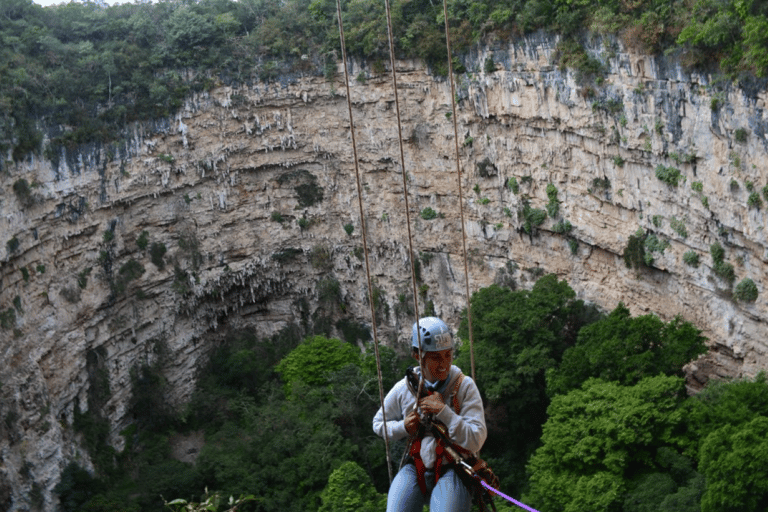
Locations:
column 249, row 190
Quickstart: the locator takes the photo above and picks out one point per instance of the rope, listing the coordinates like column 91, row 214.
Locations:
column 405, row 189
column 365, row 237
column 511, row 500
column 461, row 195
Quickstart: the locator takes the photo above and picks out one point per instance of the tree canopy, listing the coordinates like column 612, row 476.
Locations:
column 79, row 72
column 289, row 421
column 624, row 349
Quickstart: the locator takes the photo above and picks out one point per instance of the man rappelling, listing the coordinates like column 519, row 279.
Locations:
column 440, row 410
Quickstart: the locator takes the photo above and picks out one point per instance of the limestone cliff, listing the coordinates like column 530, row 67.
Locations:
column 250, row 187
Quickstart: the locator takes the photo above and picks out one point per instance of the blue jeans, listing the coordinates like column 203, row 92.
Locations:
column 449, row 495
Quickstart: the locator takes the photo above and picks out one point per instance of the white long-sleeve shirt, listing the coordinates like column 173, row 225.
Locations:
column 467, row 428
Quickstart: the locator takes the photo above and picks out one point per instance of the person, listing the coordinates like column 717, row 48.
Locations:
column 451, row 399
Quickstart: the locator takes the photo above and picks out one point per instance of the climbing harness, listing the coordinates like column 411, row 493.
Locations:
column 470, row 469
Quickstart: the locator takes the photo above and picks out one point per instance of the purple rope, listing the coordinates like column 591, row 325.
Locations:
column 513, row 500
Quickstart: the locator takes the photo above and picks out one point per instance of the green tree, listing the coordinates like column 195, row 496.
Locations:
column 599, row 437
column 282, row 451
column 313, row 361
column 724, row 403
column 624, row 349
column 349, row 489
column 734, row 460
column 518, row 336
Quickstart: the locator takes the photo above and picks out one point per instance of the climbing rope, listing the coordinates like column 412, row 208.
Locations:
column 405, row 187
column 461, row 194
column 365, row 237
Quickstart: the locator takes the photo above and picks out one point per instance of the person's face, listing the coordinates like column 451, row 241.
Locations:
column 437, row 365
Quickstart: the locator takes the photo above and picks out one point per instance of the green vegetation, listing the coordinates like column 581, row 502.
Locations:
column 513, row 185
column 277, row 217
column 746, row 291
column 518, row 336
column 669, row 175
column 129, row 271
column 697, row 186
column 23, row 192
column 95, row 68
column 532, row 217
column 428, row 213
column 562, row 227
column 553, row 206
column 679, row 227
column 143, row 240
column 720, row 267
column 754, row 200
column 691, row 258
column 157, row 251
column 622, row 349
column 349, row 228
column 12, row 245
column 584, row 412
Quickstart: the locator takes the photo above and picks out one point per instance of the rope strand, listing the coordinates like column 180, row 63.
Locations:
column 405, row 187
column 365, row 244
column 461, row 195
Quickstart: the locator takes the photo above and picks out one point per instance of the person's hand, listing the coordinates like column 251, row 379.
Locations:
column 432, row 404
column 412, row 422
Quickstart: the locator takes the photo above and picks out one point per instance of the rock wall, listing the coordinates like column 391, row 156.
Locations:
column 231, row 188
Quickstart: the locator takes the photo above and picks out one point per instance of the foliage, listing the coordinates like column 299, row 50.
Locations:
column 597, row 436
column 128, row 272
column 720, row 267
column 691, row 258
column 678, row 226
column 349, row 489
column 313, row 360
column 513, row 185
column 669, row 175
column 23, row 192
column 428, row 213
column 12, row 245
column 212, row 503
column 553, row 206
column 143, row 240
column 634, row 253
column 320, row 258
column 148, row 402
column 562, row 226
column 746, row 290
column 734, row 460
column 532, row 217
column 349, row 228
column 156, row 251
column 622, row 349
column 723, row 403
column 93, row 67
column 518, row 335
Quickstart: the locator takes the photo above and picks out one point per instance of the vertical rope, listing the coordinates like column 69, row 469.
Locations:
column 461, row 195
column 365, row 244
column 405, row 187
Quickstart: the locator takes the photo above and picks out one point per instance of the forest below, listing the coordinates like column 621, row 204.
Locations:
column 586, row 410
column 80, row 72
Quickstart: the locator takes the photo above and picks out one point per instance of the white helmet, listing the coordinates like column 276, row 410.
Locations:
column 435, row 335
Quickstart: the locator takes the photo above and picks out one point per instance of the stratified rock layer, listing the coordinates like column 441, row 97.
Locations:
column 231, row 188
